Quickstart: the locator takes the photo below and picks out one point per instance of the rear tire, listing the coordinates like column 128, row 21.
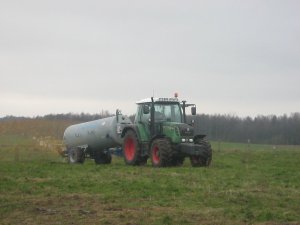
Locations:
column 201, row 161
column 132, row 150
column 76, row 155
column 161, row 153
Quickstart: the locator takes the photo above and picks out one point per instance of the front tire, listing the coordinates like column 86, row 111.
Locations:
column 205, row 160
column 161, row 153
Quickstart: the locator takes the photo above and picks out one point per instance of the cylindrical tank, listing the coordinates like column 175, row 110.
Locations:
column 98, row 134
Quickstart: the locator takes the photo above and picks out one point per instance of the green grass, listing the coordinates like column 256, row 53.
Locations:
column 245, row 185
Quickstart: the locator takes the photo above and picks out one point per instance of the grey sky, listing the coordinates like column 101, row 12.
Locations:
column 240, row 57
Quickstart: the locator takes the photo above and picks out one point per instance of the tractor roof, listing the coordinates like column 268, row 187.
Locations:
column 148, row 100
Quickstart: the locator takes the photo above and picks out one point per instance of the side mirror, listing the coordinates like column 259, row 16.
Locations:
column 146, row 109
column 193, row 110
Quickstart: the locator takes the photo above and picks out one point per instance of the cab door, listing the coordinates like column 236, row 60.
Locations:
column 142, row 122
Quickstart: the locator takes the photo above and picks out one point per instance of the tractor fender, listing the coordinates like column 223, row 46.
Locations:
column 130, row 127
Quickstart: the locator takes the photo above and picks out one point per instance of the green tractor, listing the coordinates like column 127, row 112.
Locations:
column 160, row 132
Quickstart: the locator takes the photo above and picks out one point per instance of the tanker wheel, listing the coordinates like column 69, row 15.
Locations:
column 205, row 160
column 102, row 158
column 161, row 153
column 76, row 155
column 132, row 150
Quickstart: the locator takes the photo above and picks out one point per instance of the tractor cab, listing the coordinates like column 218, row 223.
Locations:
column 163, row 111
column 155, row 114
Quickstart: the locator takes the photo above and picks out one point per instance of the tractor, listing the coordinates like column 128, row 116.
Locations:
column 160, row 132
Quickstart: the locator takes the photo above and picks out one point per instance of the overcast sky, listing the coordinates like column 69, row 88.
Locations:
column 237, row 57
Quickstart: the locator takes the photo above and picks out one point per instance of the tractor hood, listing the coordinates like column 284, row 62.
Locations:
column 177, row 131
column 185, row 130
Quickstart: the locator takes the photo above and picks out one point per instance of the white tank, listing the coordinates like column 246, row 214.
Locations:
column 98, row 134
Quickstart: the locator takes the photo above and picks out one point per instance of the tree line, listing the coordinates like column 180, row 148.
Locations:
column 52, row 125
column 260, row 129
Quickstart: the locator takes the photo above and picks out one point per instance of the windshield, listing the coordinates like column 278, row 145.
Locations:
column 167, row 112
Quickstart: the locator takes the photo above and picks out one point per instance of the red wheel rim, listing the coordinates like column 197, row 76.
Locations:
column 129, row 149
column 155, row 155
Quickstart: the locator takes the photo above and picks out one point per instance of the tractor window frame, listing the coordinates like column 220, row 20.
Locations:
column 175, row 116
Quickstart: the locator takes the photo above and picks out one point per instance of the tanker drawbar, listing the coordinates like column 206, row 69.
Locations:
column 94, row 139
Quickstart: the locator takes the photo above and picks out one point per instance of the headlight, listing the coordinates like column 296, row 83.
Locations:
column 191, row 140
column 183, row 140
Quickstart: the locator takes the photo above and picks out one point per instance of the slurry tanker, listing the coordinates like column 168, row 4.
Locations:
column 159, row 133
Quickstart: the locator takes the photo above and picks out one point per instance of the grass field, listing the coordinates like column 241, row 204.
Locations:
column 245, row 185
